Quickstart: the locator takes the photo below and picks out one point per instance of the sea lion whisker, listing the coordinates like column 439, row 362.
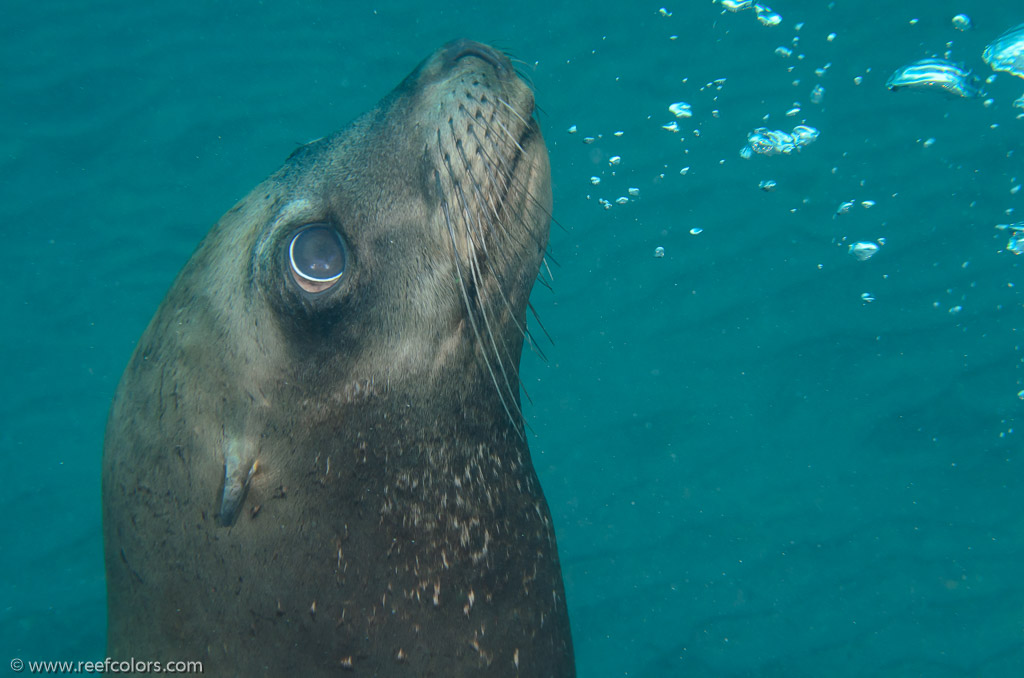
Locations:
column 493, row 139
column 473, row 217
column 504, row 297
column 477, row 276
column 556, row 222
column 483, row 306
column 490, row 163
column 487, row 207
column 547, row 282
column 469, row 306
column 526, row 393
column 532, row 343
column 499, row 184
column 469, row 220
column 480, row 288
column 529, row 339
column 509, row 135
column 511, row 108
column 544, row 260
column 492, row 227
column 523, row 73
column 456, row 186
column 499, row 188
column 507, row 171
column 481, row 202
column 534, row 349
column 499, row 278
column 536, row 316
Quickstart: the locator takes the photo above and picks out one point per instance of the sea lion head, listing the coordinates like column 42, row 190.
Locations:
column 400, row 252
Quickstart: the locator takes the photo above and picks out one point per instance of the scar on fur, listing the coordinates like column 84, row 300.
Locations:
column 239, row 467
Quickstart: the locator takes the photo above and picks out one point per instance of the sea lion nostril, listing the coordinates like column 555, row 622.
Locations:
column 462, row 49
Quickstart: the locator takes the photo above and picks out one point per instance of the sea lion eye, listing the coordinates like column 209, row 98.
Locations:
column 317, row 257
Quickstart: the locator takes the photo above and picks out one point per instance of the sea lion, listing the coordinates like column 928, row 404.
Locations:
column 315, row 460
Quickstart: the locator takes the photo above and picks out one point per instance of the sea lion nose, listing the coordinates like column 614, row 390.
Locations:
column 460, row 49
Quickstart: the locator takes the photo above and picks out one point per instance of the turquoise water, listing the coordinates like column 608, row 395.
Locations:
column 752, row 470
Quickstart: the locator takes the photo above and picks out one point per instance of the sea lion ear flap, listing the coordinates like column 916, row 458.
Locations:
column 240, row 465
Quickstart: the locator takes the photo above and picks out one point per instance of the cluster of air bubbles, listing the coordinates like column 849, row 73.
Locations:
column 764, row 13
column 764, row 141
column 715, row 84
column 613, row 162
column 1015, row 245
column 846, row 206
column 572, row 130
column 766, row 16
column 1005, row 54
column 587, row 140
column 680, row 109
column 937, row 73
column 621, row 200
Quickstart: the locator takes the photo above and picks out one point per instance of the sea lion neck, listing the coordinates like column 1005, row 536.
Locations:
column 422, row 406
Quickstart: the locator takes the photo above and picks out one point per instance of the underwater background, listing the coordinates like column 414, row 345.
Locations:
column 764, row 455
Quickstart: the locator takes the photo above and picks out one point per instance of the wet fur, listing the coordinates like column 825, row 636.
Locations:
column 394, row 523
